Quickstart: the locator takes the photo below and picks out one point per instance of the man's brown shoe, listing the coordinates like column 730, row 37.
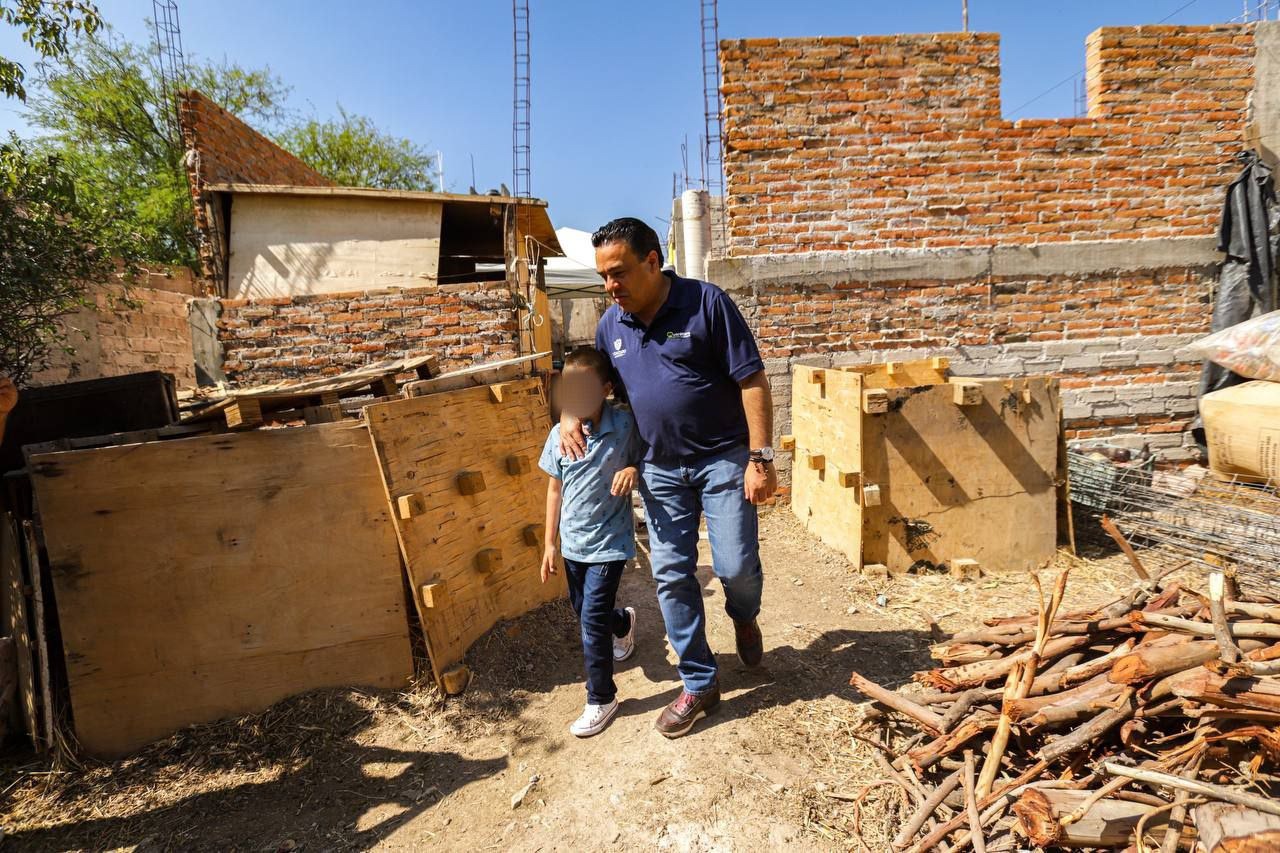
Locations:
column 677, row 718
column 750, row 642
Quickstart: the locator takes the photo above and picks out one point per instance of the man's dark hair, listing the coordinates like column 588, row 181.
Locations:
column 592, row 359
column 627, row 229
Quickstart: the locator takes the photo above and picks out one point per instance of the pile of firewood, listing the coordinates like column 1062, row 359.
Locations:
column 1151, row 723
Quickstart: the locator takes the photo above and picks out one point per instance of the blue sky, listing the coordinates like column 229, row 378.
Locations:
column 617, row 87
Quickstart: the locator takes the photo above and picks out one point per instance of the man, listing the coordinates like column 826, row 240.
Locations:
column 688, row 364
column 8, row 399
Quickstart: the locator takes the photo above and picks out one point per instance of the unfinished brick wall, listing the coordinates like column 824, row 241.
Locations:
column 272, row 339
column 845, row 156
column 898, row 141
column 147, row 331
column 221, row 149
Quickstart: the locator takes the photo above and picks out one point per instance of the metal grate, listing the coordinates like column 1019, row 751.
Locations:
column 712, row 113
column 1218, row 524
column 520, row 124
column 173, row 65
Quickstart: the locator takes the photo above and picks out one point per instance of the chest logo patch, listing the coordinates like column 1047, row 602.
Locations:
column 618, row 351
column 681, row 335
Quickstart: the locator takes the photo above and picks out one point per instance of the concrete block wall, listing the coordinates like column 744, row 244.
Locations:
column 147, row 329
column 267, row 340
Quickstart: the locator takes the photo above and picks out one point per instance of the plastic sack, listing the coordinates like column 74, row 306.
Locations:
column 1251, row 348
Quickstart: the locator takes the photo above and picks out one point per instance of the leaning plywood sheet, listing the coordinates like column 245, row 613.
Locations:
column 461, row 474
column 206, row 577
column 965, row 470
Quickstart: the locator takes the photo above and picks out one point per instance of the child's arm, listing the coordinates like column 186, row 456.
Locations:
column 553, row 528
column 623, row 481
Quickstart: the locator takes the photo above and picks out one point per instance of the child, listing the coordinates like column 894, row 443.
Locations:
column 589, row 506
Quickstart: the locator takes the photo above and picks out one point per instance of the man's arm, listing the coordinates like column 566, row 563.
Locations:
column 761, row 479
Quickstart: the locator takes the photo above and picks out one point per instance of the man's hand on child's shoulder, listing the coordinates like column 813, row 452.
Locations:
column 623, row 482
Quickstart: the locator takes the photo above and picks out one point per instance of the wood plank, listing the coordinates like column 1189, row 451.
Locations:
column 192, row 585
column 16, row 591
column 475, row 376
column 901, row 374
column 40, row 628
column 472, row 545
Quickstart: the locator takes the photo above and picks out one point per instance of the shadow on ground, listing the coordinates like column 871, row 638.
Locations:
column 308, row 781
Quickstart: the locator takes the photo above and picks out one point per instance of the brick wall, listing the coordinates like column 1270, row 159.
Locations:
column 271, row 339
column 223, row 149
column 149, row 331
column 881, row 207
column 898, row 141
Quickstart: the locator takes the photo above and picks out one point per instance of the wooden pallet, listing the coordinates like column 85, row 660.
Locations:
column 250, row 407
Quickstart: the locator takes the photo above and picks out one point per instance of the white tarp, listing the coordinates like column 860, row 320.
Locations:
column 574, row 275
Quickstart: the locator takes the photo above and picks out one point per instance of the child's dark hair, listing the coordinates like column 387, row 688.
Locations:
column 592, row 359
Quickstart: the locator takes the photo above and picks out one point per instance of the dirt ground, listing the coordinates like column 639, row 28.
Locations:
column 354, row 770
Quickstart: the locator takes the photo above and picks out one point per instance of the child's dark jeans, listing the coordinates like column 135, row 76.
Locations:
column 592, row 590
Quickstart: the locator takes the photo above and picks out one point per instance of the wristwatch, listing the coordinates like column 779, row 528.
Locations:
column 763, row 455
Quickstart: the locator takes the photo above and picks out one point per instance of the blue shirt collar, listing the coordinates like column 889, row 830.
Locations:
column 606, row 424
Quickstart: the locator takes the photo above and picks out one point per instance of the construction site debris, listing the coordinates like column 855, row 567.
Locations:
column 1242, row 429
column 1186, row 518
column 1100, row 728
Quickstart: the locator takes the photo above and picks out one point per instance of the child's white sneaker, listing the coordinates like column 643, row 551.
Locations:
column 625, row 646
column 594, row 719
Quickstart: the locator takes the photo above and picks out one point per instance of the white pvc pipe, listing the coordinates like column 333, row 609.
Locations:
column 695, row 215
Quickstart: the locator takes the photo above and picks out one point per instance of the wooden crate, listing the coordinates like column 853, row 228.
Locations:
column 460, row 471
column 200, row 578
column 907, row 468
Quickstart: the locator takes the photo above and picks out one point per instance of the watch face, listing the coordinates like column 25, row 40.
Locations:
column 765, row 453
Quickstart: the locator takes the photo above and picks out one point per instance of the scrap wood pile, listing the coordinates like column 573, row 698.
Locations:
column 1153, row 721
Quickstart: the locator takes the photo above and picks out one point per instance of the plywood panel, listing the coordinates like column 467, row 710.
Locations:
column 206, row 577
column 290, row 245
column 466, row 509
column 825, row 407
column 975, row 481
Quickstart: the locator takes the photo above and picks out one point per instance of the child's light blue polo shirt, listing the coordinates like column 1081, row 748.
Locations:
column 595, row 526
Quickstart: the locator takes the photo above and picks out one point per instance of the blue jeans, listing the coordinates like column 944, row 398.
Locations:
column 676, row 495
column 592, row 590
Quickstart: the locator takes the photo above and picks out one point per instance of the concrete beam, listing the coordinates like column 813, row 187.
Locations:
column 1263, row 132
column 1085, row 257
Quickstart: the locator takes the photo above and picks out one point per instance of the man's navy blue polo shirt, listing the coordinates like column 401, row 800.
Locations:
column 681, row 373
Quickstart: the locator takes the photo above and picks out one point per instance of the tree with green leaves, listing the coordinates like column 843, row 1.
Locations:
column 53, row 243
column 45, row 25
column 104, row 110
column 350, row 150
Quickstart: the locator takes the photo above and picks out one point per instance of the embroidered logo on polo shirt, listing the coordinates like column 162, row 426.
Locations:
column 671, row 335
column 618, row 351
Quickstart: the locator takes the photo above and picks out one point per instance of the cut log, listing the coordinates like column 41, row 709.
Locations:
column 1228, row 828
column 977, row 674
column 1260, row 694
column 1259, row 630
column 1110, row 822
column 1156, row 661
column 928, row 720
